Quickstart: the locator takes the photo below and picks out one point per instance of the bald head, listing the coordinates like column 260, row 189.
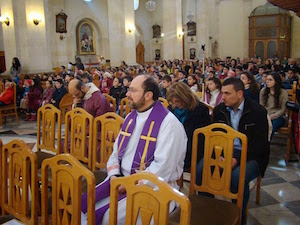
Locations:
column 74, row 86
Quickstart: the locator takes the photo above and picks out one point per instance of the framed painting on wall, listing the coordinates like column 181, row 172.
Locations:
column 85, row 38
column 61, row 22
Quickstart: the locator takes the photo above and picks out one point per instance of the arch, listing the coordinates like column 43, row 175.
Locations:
column 101, row 40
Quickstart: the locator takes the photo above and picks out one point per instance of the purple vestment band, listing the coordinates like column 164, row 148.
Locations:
column 144, row 153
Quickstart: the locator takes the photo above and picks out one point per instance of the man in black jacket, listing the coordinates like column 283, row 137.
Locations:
column 249, row 118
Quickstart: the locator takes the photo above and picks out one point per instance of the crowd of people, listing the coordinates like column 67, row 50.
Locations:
column 247, row 94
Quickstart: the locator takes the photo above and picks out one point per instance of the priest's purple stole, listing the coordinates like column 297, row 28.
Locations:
column 144, row 154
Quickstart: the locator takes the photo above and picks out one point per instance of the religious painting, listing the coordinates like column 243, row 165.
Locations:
column 61, row 22
column 192, row 53
column 191, row 28
column 157, row 54
column 85, row 38
column 156, row 31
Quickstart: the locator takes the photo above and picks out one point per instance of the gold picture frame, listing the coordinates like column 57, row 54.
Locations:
column 85, row 38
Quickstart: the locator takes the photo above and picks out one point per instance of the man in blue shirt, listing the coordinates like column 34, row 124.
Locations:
column 249, row 118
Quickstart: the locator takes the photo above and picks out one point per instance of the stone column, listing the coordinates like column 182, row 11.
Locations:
column 202, row 28
column 172, row 25
column 121, row 41
column 9, row 35
column 129, row 40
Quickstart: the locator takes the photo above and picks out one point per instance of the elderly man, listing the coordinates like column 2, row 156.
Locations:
column 88, row 97
column 151, row 140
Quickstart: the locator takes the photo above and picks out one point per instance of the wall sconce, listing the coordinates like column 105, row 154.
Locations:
column 180, row 33
column 62, row 37
column 130, row 28
column 36, row 21
column 162, row 35
column 4, row 20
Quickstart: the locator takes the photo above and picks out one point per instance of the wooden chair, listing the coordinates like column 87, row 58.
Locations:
column 111, row 100
column 148, row 201
column 46, row 125
column 1, row 145
column 10, row 110
column 110, row 124
column 66, row 176
column 164, row 102
column 65, row 105
column 288, row 129
column 124, row 105
column 216, row 177
column 19, row 182
column 1, row 86
column 79, row 136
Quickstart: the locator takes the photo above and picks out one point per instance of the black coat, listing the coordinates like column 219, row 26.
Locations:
column 197, row 118
column 254, row 125
column 57, row 95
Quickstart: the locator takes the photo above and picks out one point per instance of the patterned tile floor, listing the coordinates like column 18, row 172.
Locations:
column 280, row 191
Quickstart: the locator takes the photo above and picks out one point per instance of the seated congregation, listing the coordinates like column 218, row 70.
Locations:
column 131, row 132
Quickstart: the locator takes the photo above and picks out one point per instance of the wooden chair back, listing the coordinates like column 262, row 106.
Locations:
column 10, row 110
column 1, row 86
column 66, row 177
column 150, row 200
column 216, row 177
column 79, row 135
column 164, row 102
column 124, row 107
column 1, row 145
column 110, row 124
column 287, row 129
column 19, row 182
column 65, row 105
column 47, row 117
column 112, row 101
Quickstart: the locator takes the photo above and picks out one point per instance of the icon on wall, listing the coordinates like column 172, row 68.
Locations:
column 85, row 38
column 192, row 53
column 61, row 22
column 157, row 54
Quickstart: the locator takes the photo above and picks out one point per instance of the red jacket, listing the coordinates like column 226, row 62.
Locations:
column 8, row 96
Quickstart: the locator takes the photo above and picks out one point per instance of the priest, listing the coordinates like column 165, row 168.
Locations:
column 151, row 140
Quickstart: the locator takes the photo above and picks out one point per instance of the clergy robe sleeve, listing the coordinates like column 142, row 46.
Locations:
column 170, row 150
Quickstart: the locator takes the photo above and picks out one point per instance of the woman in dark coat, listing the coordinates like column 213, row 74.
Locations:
column 34, row 97
column 191, row 113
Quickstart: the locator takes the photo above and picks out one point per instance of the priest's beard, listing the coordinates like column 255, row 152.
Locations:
column 137, row 105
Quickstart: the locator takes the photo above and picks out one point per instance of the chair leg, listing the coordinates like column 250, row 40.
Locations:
column 288, row 148
column 258, row 186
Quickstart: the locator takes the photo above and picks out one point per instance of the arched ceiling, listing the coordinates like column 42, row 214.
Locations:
column 293, row 5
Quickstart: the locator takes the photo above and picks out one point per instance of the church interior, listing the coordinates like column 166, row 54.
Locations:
column 124, row 38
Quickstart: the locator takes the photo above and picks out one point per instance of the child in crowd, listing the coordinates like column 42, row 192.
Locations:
column 23, row 102
column 115, row 90
column 213, row 94
column 193, row 84
column 47, row 93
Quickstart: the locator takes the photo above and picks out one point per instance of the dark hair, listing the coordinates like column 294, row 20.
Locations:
column 238, row 85
column 239, row 67
column 277, row 90
column 63, row 67
column 79, row 85
column 129, row 78
column 216, row 81
column 195, row 79
column 151, row 85
column 167, row 78
column 253, row 85
column 183, row 72
column 17, row 63
column 226, row 66
column 262, row 67
column 50, row 81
